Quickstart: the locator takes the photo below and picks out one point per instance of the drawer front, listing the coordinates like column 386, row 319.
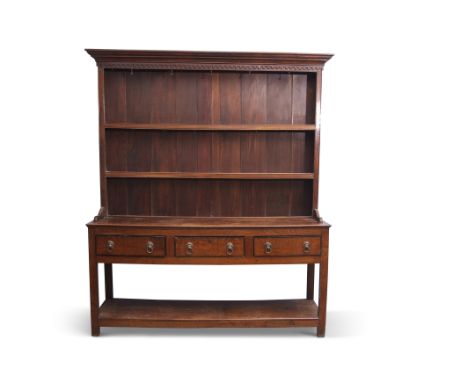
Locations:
column 130, row 245
column 209, row 246
column 287, row 246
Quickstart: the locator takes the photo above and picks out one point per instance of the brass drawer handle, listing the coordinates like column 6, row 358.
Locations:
column 110, row 245
column 229, row 248
column 149, row 247
column 306, row 246
column 268, row 247
column 189, row 248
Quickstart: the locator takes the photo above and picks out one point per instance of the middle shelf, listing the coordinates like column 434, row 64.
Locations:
column 207, row 175
column 210, row 127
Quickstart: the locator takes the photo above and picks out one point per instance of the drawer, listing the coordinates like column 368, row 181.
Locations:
column 130, row 245
column 287, row 246
column 214, row 246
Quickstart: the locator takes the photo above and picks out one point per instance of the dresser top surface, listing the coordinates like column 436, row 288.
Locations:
column 209, row 222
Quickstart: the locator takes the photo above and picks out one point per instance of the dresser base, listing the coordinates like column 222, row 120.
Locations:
column 202, row 241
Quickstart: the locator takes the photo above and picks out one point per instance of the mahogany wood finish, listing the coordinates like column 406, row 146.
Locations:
column 208, row 158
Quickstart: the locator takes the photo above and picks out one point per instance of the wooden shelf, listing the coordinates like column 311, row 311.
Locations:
column 208, row 175
column 218, row 127
column 208, row 314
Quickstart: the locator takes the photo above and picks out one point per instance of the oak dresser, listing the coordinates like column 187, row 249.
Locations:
column 208, row 158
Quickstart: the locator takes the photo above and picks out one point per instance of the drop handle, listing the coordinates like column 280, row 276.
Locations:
column 189, row 248
column 306, row 246
column 149, row 247
column 229, row 248
column 268, row 247
column 110, row 245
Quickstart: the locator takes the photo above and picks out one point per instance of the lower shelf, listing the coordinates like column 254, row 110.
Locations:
column 207, row 314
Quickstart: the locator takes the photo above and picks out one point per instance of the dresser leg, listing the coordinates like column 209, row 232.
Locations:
column 93, row 287
column 109, row 281
column 95, row 330
column 322, row 302
column 322, row 305
column 320, row 331
column 310, row 281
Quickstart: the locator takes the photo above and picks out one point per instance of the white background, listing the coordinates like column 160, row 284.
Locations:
column 393, row 185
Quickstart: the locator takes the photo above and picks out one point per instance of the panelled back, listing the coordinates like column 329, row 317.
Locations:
column 145, row 115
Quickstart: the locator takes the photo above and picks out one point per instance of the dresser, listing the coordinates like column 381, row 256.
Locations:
column 208, row 158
